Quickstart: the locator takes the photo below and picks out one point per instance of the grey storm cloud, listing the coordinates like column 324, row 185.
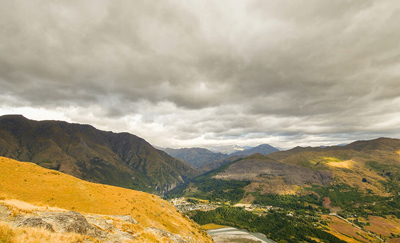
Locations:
column 211, row 69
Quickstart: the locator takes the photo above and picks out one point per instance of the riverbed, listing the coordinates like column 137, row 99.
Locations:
column 233, row 235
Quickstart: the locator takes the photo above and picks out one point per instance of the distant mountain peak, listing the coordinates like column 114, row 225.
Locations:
column 262, row 149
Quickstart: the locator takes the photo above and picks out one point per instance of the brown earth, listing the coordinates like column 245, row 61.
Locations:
column 384, row 226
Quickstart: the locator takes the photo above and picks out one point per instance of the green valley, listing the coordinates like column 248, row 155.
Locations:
column 312, row 194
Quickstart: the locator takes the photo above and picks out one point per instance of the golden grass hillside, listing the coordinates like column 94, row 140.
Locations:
column 350, row 167
column 36, row 235
column 43, row 187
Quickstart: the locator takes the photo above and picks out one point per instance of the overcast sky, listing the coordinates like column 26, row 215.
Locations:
column 200, row 73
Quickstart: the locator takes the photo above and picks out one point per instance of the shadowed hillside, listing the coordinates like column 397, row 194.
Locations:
column 216, row 164
column 119, row 159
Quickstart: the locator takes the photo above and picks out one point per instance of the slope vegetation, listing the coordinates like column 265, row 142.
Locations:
column 346, row 191
column 368, row 165
column 371, row 167
column 119, row 159
column 216, row 164
column 32, row 184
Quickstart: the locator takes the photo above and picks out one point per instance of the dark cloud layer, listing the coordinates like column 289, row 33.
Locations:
column 185, row 73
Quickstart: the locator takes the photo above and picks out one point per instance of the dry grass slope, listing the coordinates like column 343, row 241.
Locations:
column 382, row 226
column 349, row 166
column 212, row 226
column 36, row 235
column 43, row 187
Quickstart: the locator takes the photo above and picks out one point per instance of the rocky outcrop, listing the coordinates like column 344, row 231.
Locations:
column 72, row 222
column 36, row 222
column 101, row 228
column 165, row 234
column 104, row 228
column 125, row 218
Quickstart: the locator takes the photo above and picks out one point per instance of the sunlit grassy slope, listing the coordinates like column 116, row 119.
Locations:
column 212, row 226
column 33, row 184
column 381, row 226
column 36, row 235
column 377, row 161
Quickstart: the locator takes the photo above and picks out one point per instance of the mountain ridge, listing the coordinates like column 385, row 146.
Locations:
column 370, row 166
column 119, row 159
column 203, row 159
column 263, row 149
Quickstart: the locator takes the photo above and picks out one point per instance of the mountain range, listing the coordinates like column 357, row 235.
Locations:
column 263, row 149
column 227, row 149
column 119, row 159
column 201, row 157
column 196, row 157
column 370, row 166
column 358, row 182
column 345, row 193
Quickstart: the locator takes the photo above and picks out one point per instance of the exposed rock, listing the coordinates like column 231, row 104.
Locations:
column 163, row 233
column 104, row 228
column 111, row 224
column 119, row 236
column 72, row 222
column 36, row 222
column 99, row 222
column 125, row 218
column 4, row 212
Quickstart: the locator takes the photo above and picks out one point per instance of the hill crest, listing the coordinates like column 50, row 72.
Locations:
column 38, row 186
